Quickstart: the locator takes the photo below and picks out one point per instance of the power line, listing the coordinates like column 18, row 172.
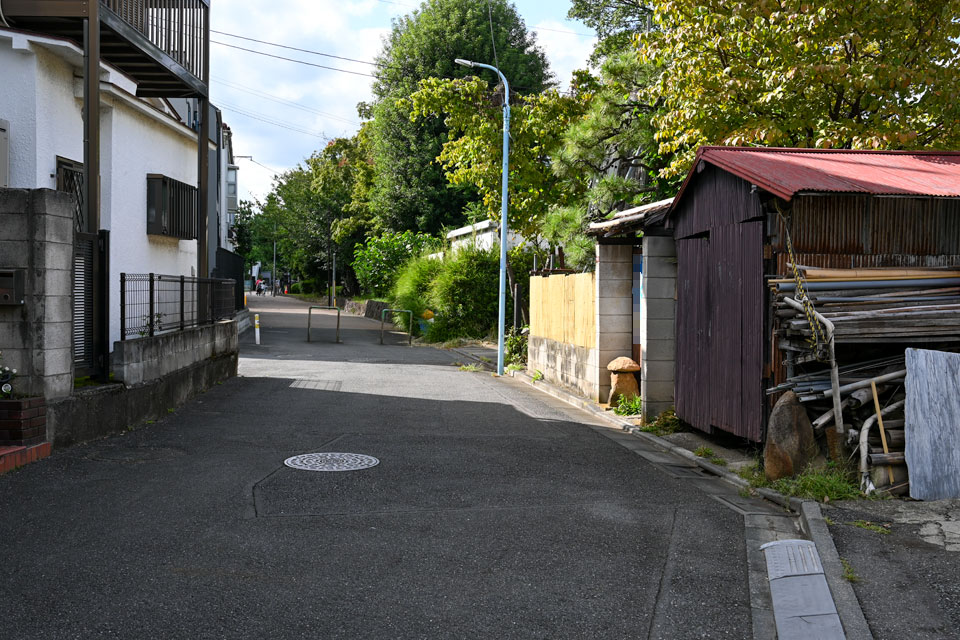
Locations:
column 262, row 94
column 283, row 46
column 309, row 64
column 283, row 125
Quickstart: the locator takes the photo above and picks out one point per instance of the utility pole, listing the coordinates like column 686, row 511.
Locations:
column 274, row 283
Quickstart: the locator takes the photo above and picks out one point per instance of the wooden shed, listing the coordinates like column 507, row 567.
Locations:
column 730, row 220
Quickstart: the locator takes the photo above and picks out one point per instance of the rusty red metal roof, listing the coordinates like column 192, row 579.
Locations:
column 785, row 172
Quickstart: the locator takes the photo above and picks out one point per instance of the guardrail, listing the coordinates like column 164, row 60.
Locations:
column 383, row 320
column 310, row 318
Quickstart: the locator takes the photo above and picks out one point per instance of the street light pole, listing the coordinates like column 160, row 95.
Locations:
column 501, row 316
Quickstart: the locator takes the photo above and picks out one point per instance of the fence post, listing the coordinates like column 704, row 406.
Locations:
column 211, row 293
column 150, row 319
column 123, row 306
column 181, row 304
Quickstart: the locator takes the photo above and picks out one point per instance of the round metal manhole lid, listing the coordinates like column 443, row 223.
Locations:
column 331, row 461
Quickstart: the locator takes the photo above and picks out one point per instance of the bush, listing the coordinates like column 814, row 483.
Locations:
column 296, row 288
column 378, row 262
column 464, row 295
column 515, row 347
column 412, row 286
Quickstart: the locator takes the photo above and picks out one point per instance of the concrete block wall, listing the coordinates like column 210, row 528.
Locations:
column 36, row 338
column 565, row 364
column 658, row 324
column 143, row 360
column 614, row 310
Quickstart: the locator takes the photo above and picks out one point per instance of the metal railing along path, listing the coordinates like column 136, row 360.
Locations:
column 310, row 318
column 383, row 320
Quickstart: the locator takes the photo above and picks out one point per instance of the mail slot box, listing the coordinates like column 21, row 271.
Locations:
column 11, row 286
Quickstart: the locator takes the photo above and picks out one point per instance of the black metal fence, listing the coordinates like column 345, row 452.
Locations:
column 152, row 303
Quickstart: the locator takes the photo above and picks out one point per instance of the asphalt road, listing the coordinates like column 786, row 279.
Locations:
column 495, row 512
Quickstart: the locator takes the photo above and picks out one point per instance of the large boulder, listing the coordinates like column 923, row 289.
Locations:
column 790, row 444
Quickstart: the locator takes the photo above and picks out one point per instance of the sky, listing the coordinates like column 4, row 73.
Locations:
column 280, row 112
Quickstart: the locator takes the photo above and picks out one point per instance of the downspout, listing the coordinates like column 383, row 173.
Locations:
column 834, row 374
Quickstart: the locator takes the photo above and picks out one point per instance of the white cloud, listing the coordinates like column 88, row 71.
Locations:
column 566, row 50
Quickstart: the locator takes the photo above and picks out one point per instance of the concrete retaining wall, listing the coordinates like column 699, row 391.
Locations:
column 98, row 411
column 146, row 359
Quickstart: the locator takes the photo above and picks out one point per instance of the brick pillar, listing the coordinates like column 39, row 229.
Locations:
column 614, row 304
column 658, row 312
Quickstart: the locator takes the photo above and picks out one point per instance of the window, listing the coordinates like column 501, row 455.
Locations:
column 171, row 208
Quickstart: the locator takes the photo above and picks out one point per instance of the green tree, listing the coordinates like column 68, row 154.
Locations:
column 409, row 189
column 831, row 74
column 473, row 155
column 379, row 260
column 615, row 21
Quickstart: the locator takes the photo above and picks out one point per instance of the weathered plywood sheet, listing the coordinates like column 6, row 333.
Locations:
column 932, row 427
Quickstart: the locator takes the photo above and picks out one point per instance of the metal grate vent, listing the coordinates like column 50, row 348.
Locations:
column 318, row 385
column 331, row 462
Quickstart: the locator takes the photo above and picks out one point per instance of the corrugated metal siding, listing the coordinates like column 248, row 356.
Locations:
column 720, row 308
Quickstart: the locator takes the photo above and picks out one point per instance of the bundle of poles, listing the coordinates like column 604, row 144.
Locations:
column 881, row 312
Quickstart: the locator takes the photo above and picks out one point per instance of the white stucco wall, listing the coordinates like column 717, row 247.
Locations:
column 41, row 95
column 482, row 235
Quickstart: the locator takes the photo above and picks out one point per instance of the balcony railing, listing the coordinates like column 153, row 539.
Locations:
column 176, row 27
column 161, row 44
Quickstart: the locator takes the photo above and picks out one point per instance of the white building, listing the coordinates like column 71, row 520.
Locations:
column 482, row 235
column 143, row 141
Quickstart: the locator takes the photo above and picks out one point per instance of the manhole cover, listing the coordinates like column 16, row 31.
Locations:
column 331, row 461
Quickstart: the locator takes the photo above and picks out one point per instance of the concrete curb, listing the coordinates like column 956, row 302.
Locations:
column 811, row 519
column 848, row 606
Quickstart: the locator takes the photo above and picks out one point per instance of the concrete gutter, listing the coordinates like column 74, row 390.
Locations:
column 811, row 518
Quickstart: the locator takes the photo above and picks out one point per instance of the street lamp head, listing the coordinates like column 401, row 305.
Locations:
column 465, row 63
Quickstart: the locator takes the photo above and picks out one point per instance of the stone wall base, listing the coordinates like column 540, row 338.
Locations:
column 566, row 365
column 98, row 411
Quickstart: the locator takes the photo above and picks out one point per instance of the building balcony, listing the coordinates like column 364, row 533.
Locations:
column 162, row 45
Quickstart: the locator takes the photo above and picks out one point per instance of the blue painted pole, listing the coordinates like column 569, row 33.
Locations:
column 501, row 316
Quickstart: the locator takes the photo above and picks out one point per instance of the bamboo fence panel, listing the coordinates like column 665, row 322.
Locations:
column 562, row 308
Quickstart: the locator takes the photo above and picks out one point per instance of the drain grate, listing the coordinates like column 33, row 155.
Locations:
column 331, row 462
column 318, row 385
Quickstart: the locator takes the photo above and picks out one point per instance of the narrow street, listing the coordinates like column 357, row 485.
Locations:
column 494, row 512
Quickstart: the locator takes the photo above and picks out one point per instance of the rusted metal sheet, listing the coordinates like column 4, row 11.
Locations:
column 720, row 199
column 720, row 336
column 785, row 172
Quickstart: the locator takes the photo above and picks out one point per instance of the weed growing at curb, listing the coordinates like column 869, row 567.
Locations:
column 703, row 452
column 666, row 423
column 628, row 406
column 871, row 526
column 537, row 375
column 848, row 572
column 717, row 460
column 471, row 367
column 828, row 520
column 513, row 366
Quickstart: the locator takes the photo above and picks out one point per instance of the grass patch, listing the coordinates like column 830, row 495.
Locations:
column 827, row 483
column 717, row 460
column 453, row 344
column 665, row 424
column 537, row 375
column 703, row 452
column 513, row 366
column 848, row 572
column 871, row 526
column 471, row 367
column 628, row 406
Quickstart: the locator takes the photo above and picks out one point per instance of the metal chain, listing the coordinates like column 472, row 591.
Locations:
column 818, row 339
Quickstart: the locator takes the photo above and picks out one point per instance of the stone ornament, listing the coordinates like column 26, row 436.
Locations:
column 622, row 381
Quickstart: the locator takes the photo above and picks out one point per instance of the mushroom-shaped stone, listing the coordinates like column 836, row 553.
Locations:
column 622, row 381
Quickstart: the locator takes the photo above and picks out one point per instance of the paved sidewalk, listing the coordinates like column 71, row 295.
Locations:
column 495, row 512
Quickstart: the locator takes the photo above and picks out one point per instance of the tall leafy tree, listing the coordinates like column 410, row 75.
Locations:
column 615, row 21
column 409, row 189
column 473, row 154
column 832, row 73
